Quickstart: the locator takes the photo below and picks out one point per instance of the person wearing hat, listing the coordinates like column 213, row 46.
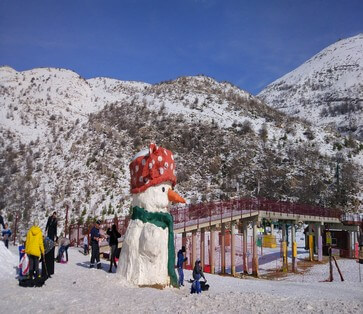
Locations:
column 34, row 248
column 95, row 237
column 197, row 274
column 180, row 263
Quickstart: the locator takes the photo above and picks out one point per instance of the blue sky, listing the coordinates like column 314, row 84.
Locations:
column 248, row 43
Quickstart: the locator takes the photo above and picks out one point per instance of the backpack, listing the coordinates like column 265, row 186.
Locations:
column 48, row 245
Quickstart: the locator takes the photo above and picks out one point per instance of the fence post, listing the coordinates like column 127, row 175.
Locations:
column 223, row 248
column 212, row 249
column 78, row 235
column 16, row 226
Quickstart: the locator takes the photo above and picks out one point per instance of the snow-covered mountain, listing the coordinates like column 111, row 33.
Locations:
column 65, row 140
column 326, row 90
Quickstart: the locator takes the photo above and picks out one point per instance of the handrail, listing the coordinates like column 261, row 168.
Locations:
column 194, row 214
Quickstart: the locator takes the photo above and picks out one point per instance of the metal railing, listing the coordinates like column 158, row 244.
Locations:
column 195, row 214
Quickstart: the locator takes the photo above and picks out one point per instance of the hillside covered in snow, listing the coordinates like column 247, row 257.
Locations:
column 326, row 90
column 65, row 140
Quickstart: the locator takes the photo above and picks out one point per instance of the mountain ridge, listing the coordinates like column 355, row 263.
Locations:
column 327, row 89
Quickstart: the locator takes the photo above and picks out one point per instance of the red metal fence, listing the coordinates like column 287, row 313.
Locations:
column 194, row 214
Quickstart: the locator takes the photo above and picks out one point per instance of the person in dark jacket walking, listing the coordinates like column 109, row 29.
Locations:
column 114, row 235
column 51, row 229
column 95, row 237
column 197, row 274
column 180, row 263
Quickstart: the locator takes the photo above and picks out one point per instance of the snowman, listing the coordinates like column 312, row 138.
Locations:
column 148, row 256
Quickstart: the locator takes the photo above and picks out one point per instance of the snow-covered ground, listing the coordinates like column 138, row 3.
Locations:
column 76, row 288
column 7, row 262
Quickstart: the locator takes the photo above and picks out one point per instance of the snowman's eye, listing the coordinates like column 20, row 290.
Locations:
column 163, row 189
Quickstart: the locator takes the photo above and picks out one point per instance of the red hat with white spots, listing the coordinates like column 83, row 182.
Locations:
column 151, row 167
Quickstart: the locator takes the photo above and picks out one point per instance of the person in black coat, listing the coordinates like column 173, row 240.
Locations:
column 51, row 229
column 114, row 235
column 52, row 226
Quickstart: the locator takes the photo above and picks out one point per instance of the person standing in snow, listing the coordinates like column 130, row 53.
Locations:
column 180, row 263
column 114, row 235
column 51, row 229
column 6, row 235
column 85, row 244
column 95, row 237
column 197, row 274
column 47, row 262
column 51, row 226
column 34, row 248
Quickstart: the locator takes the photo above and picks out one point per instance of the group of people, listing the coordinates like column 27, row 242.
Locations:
column 38, row 248
column 197, row 272
column 96, row 236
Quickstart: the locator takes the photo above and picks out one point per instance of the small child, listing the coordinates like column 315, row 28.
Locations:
column 21, row 249
column 6, row 235
column 85, row 244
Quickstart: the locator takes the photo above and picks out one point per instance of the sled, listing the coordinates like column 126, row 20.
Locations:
column 30, row 282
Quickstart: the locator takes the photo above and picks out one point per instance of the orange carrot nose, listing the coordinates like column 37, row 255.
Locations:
column 175, row 197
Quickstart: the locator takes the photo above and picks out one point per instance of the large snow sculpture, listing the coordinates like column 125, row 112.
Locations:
column 147, row 255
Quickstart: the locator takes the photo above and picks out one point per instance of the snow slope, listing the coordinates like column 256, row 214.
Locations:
column 74, row 288
column 8, row 262
column 326, row 89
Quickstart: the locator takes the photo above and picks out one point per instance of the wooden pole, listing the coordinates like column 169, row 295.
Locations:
column 184, row 243
column 233, row 248
column 284, row 249
column 255, row 256
column 194, row 247
column 16, row 226
column 245, row 261
column 330, row 265
column 340, row 273
column 320, row 242
column 294, row 247
column 212, row 249
column 311, row 244
column 223, row 248
column 202, row 247
column 66, row 223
